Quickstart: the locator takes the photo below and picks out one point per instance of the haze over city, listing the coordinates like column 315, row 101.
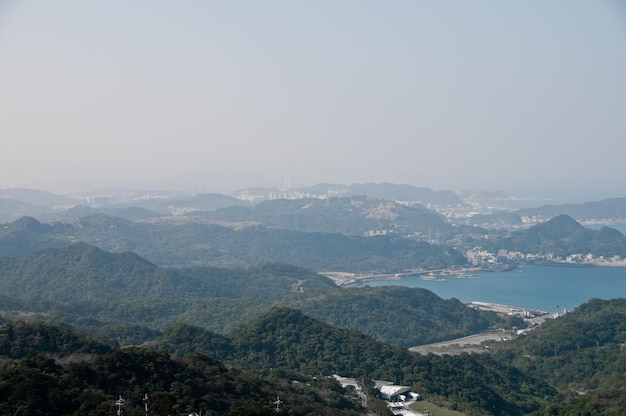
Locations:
column 524, row 97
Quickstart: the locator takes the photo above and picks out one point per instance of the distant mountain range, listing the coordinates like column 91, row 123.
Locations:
column 337, row 233
column 134, row 205
column 358, row 216
column 15, row 203
column 384, row 191
column 191, row 241
column 184, row 241
column 612, row 209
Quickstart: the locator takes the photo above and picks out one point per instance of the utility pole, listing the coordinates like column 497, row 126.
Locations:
column 278, row 402
column 120, row 403
column 145, row 403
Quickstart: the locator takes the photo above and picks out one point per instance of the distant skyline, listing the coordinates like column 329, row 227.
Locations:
column 525, row 97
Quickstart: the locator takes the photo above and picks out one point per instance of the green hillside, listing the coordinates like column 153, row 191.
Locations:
column 285, row 341
column 353, row 216
column 182, row 241
column 61, row 373
column 568, row 366
column 84, row 281
column 85, row 273
column 579, row 353
column 561, row 235
column 396, row 315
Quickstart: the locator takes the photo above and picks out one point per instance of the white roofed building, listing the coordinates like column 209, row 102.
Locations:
column 395, row 393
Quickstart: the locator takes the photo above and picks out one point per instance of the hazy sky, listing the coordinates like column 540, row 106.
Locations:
column 527, row 97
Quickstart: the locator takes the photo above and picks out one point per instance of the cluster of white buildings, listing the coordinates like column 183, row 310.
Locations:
column 478, row 256
column 398, row 397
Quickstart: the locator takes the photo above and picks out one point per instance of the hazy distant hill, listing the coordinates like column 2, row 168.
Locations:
column 181, row 241
column 393, row 192
column 16, row 203
column 352, row 216
column 37, row 197
column 73, row 214
column 200, row 202
column 46, row 206
column 612, row 209
column 28, row 235
column 12, row 209
column 386, row 191
column 561, row 235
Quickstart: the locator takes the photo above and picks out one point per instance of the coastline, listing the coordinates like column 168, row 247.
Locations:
column 349, row 279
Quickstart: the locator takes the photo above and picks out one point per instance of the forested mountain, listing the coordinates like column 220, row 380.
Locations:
column 27, row 235
column 579, row 357
column 102, row 270
column 572, row 365
column 353, row 216
column 183, row 241
column 82, row 280
column 396, row 315
column 285, row 343
column 86, row 273
column 581, row 354
column 22, row 339
column 562, row 236
column 61, row 373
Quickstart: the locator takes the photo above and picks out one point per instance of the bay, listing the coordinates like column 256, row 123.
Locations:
column 548, row 288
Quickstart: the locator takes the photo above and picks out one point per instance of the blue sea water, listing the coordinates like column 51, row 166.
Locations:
column 537, row 287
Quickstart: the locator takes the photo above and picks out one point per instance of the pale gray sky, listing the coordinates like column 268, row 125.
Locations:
column 527, row 97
